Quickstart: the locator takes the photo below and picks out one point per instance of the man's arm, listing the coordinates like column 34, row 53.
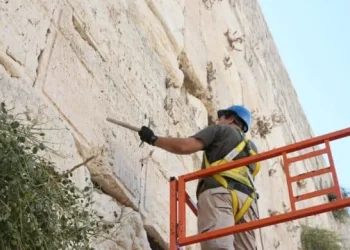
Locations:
column 189, row 145
column 179, row 145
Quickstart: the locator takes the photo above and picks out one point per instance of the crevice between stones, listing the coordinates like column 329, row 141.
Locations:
column 40, row 56
column 193, row 86
column 80, row 28
column 101, row 175
column 164, row 24
column 10, row 65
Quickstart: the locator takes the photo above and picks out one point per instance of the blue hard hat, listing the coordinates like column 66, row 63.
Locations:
column 241, row 112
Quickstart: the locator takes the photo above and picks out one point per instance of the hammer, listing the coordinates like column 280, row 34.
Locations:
column 123, row 124
column 126, row 125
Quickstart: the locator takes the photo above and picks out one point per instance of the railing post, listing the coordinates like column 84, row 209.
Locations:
column 289, row 181
column 173, row 214
column 334, row 173
column 182, row 208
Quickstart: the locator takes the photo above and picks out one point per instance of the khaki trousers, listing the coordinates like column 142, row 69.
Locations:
column 215, row 212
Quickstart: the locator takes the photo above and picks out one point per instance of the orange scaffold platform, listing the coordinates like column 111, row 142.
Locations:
column 179, row 197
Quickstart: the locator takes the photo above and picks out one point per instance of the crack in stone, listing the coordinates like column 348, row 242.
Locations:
column 12, row 57
column 80, row 28
column 40, row 56
column 75, row 49
column 167, row 30
column 9, row 64
column 193, row 86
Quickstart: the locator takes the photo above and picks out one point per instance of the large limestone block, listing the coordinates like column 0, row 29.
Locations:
column 171, row 16
column 127, row 233
column 25, row 100
column 24, row 28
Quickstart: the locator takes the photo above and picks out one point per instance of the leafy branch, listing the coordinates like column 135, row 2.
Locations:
column 40, row 208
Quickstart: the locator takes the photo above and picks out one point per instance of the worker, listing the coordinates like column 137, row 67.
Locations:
column 227, row 198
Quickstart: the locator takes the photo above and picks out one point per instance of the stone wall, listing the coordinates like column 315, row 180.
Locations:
column 168, row 64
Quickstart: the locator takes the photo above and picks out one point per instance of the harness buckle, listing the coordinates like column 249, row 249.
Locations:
column 235, row 185
column 230, row 184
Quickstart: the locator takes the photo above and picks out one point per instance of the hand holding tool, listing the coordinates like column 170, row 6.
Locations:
column 145, row 133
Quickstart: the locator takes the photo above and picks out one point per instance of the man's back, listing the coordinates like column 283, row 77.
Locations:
column 219, row 140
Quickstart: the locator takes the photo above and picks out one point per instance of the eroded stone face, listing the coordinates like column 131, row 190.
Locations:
column 168, row 64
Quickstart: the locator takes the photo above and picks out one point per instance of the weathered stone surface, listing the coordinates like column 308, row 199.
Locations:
column 127, row 233
column 168, row 64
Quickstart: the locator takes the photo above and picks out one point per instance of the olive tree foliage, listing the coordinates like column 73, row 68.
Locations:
column 40, row 208
column 319, row 239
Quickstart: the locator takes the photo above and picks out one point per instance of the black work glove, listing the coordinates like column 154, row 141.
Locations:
column 146, row 134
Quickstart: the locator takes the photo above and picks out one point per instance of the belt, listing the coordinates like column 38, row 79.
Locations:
column 236, row 185
column 232, row 185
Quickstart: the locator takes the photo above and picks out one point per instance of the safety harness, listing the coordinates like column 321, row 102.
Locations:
column 240, row 175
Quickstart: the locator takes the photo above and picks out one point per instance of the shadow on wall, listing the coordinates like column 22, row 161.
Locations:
column 153, row 244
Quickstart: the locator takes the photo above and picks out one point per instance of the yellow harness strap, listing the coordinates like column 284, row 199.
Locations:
column 238, row 213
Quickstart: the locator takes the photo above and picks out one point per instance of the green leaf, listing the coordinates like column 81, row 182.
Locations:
column 15, row 124
column 3, row 108
column 35, row 150
column 41, row 146
column 21, row 139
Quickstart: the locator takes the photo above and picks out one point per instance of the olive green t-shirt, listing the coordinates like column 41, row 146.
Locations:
column 219, row 140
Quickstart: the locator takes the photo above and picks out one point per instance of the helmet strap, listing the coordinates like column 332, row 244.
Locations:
column 234, row 124
column 236, row 120
column 237, row 123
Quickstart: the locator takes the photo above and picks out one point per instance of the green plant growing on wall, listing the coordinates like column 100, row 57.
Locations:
column 250, row 61
column 211, row 76
column 40, row 208
column 233, row 41
column 302, row 183
column 276, row 243
column 319, row 239
column 263, row 125
column 209, row 3
column 211, row 72
column 341, row 215
column 272, row 171
column 170, row 83
column 227, row 62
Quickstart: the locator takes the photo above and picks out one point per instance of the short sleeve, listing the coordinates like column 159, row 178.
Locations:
column 207, row 135
column 254, row 148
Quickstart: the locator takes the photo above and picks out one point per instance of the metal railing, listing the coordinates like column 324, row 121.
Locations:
column 179, row 197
